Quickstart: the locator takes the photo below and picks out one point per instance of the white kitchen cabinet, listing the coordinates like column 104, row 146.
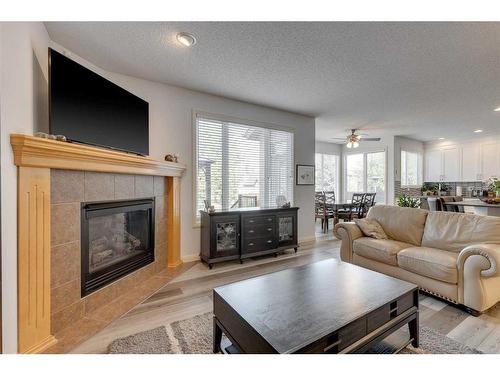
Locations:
column 451, row 164
column 471, row 170
column 489, row 160
column 433, row 165
column 467, row 162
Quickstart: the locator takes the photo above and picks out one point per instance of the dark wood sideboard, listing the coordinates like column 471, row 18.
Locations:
column 245, row 233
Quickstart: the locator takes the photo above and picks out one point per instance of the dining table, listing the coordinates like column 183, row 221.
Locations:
column 336, row 207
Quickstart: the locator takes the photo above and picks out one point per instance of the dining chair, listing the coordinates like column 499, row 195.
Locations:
column 323, row 209
column 369, row 202
column 330, row 196
column 358, row 200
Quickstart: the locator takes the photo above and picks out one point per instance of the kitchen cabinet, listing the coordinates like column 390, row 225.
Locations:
column 442, row 164
column 467, row 162
column 489, row 160
column 451, row 164
column 433, row 165
column 471, row 170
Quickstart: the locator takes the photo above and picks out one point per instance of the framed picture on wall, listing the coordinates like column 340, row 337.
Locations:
column 304, row 174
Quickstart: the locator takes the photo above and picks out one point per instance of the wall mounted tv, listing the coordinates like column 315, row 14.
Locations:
column 87, row 108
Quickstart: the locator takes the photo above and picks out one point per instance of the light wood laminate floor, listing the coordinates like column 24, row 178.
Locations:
column 190, row 294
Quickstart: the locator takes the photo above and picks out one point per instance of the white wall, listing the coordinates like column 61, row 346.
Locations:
column 328, row 148
column 23, row 54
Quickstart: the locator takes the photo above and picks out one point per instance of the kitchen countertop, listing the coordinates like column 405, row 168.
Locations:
column 477, row 203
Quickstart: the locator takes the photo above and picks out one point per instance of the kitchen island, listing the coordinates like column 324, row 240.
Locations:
column 480, row 207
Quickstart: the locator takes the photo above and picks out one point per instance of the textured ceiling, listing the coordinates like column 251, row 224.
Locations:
column 421, row 80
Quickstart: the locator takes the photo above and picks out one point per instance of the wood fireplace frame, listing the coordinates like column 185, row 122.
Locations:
column 35, row 157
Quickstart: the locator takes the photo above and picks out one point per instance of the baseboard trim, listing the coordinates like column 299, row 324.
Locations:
column 190, row 258
column 41, row 346
column 307, row 240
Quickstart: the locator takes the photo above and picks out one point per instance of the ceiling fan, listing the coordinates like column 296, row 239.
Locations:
column 353, row 139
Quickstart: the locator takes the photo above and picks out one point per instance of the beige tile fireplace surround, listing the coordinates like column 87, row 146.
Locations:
column 53, row 179
column 68, row 190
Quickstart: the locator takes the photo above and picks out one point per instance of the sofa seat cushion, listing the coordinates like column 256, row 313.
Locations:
column 427, row 261
column 384, row 251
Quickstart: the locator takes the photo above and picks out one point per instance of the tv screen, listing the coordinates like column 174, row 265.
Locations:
column 87, row 108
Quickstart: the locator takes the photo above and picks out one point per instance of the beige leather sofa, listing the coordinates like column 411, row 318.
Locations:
column 455, row 256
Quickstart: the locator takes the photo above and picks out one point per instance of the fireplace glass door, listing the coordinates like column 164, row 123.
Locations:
column 117, row 239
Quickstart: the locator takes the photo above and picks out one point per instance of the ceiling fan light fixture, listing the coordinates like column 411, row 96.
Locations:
column 355, row 144
column 349, row 144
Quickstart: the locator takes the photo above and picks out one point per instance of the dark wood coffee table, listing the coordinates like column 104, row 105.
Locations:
column 324, row 307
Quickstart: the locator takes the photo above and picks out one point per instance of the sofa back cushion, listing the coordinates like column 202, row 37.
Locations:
column 400, row 223
column 453, row 231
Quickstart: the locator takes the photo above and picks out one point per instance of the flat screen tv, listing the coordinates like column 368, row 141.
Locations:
column 87, row 108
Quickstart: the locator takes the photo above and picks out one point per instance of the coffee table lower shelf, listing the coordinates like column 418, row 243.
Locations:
column 363, row 345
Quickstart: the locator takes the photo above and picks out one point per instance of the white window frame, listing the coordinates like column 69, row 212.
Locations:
column 338, row 172
column 420, row 168
column 365, row 170
column 225, row 118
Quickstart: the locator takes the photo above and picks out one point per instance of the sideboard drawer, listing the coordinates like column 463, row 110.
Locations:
column 255, row 220
column 259, row 230
column 259, row 244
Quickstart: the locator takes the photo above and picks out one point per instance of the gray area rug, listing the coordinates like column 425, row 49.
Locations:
column 154, row 341
column 194, row 336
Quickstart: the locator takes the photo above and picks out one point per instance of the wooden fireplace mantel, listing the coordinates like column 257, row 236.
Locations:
column 37, row 152
column 35, row 157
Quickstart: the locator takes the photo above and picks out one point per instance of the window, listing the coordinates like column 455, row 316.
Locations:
column 411, row 168
column 365, row 173
column 327, row 172
column 240, row 165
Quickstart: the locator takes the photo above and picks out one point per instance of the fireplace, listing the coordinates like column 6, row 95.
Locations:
column 117, row 238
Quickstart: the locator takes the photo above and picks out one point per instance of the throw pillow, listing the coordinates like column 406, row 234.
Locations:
column 371, row 228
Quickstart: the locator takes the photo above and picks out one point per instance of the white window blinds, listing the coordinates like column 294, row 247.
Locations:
column 242, row 166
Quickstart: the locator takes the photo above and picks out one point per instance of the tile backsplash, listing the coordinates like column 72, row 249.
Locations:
column 467, row 188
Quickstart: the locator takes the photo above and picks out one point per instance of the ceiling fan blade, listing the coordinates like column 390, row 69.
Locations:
column 340, row 139
column 370, row 139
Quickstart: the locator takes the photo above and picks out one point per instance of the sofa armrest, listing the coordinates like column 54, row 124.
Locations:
column 479, row 276
column 347, row 232
column 490, row 253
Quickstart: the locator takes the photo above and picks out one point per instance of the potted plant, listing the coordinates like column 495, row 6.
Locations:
column 495, row 186
column 429, row 188
column 404, row 200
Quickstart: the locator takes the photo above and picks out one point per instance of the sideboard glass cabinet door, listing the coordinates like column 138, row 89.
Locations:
column 226, row 236
column 286, row 230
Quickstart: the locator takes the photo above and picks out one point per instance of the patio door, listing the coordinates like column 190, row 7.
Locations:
column 365, row 172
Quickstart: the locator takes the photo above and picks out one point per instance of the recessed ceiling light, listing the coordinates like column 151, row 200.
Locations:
column 478, row 131
column 441, row 139
column 497, row 109
column 186, row 39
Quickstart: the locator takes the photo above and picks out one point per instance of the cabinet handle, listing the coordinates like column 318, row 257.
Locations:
column 250, row 244
column 269, row 241
column 269, row 219
column 250, row 221
column 250, row 231
column 269, row 229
